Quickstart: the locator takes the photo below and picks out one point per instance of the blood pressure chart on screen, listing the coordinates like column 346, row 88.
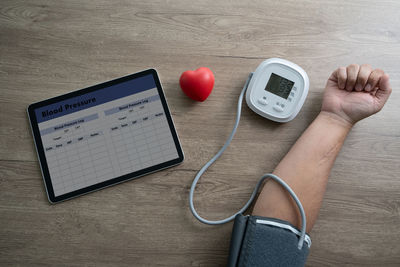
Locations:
column 105, row 134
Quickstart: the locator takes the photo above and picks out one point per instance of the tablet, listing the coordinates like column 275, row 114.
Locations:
column 103, row 135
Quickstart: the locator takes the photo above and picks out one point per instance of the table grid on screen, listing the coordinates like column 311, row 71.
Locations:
column 107, row 141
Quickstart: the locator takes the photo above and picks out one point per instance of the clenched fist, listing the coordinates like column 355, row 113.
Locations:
column 356, row 92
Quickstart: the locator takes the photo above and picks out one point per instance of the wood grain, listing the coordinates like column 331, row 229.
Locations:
column 49, row 48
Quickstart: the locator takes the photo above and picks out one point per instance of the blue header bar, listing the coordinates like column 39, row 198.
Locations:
column 95, row 98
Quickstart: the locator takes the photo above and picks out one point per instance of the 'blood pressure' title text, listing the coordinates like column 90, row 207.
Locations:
column 68, row 107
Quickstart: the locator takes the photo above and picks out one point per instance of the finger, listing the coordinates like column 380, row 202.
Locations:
column 352, row 73
column 362, row 78
column 384, row 89
column 342, row 77
column 373, row 80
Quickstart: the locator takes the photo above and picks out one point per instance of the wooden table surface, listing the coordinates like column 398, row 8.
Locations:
column 48, row 48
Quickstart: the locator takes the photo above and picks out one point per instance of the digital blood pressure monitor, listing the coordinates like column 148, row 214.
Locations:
column 277, row 90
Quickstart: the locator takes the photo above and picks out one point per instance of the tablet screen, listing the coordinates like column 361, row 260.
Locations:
column 104, row 134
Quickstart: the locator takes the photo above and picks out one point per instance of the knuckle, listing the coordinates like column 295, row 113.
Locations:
column 353, row 66
column 366, row 66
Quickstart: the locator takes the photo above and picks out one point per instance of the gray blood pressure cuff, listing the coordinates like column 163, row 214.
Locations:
column 261, row 241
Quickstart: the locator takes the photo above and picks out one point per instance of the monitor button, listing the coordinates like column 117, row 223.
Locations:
column 278, row 108
column 262, row 101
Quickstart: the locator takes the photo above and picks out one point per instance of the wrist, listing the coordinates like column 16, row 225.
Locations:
column 335, row 119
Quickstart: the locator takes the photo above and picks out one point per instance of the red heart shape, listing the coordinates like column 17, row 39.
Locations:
column 197, row 84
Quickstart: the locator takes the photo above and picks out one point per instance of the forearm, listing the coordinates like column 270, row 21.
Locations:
column 306, row 169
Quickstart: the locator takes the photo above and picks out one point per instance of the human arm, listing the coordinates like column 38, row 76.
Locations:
column 351, row 94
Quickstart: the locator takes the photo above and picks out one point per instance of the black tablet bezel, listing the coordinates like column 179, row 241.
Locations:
column 40, row 150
